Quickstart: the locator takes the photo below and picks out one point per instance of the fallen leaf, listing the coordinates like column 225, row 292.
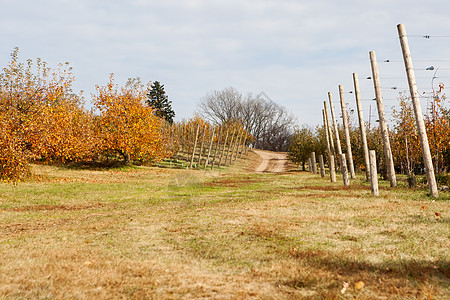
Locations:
column 437, row 215
column 359, row 285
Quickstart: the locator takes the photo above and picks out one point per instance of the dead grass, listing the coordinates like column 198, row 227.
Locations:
column 229, row 234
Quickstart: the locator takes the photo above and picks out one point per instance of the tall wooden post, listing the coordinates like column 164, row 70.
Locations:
column 330, row 155
column 201, row 146
column 321, row 165
column 382, row 120
column 239, row 146
column 223, row 149
column 235, row 147
column 179, row 135
column 180, row 140
column 325, row 127
column 373, row 173
column 209, row 149
column 346, row 132
column 362, row 128
column 246, row 139
column 328, row 126
column 336, row 131
column 219, row 137
column 244, row 144
column 195, row 145
column 344, row 170
column 426, row 154
column 230, row 146
column 314, row 162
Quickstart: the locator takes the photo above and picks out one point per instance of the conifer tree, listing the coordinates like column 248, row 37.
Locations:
column 158, row 100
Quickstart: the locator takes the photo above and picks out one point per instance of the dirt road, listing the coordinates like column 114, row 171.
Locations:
column 273, row 162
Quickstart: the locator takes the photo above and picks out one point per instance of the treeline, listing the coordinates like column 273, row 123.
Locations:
column 403, row 135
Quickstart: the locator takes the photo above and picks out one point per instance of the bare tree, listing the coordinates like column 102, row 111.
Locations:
column 220, row 106
column 269, row 123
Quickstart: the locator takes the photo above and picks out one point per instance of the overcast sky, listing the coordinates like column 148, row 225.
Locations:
column 294, row 51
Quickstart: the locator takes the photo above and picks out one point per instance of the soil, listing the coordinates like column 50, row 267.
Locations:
column 272, row 162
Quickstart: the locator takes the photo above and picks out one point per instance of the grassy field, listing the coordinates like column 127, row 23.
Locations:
column 145, row 232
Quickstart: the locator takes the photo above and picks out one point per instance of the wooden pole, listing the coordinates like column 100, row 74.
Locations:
column 219, row 137
column 336, row 131
column 382, row 121
column 246, row 147
column 330, row 155
column 346, row 132
column 179, row 135
column 373, row 174
column 328, row 125
column 224, row 145
column 201, row 146
column 321, row 165
column 344, row 170
column 244, row 143
column 310, row 164
column 362, row 128
column 426, row 154
column 195, row 145
column 314, row 162
column 209, row 149
column 235, row 146
column 238, row 145
column 230, row 146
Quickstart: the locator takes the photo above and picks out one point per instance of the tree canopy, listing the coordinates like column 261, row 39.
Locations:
column 269, row 123
column 159, row 101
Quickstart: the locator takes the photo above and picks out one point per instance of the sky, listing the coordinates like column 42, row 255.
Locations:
column 293, row 51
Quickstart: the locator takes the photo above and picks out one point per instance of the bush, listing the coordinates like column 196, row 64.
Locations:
column 443, row 179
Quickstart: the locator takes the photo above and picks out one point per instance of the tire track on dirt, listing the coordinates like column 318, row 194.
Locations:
column 272, row 162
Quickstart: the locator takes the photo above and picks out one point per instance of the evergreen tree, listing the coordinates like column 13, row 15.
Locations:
column 158, row 100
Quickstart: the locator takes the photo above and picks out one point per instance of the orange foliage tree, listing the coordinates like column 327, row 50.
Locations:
column 438, row 128
column 42, row 120
column 63, row 132
column 127, row 126
column 39, row 116
column 406, row 145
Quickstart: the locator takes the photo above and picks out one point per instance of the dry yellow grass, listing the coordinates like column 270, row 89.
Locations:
column 230, row 234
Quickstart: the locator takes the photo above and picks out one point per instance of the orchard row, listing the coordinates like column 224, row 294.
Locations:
column 43, row 121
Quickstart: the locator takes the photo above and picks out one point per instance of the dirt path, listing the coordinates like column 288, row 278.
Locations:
column 273, row 162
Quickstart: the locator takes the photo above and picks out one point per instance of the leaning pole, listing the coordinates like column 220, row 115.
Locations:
column 382, row 119
column 418, row 111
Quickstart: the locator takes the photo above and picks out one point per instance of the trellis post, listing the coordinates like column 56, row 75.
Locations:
column 382, row 120
column 426, row 154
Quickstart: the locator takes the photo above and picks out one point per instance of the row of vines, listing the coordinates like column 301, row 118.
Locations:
column 198, row 144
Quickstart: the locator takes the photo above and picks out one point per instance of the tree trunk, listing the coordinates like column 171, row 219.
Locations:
column 126, row 157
